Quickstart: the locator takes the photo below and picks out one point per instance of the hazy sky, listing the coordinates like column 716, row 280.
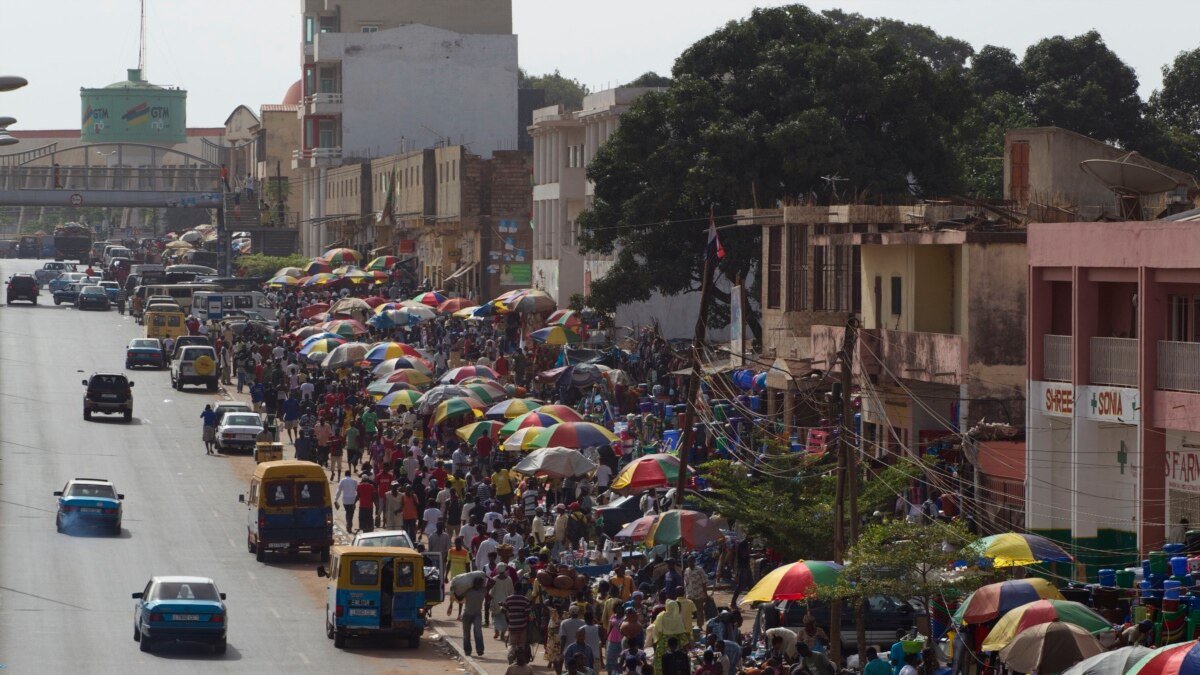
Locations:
column 230, row 52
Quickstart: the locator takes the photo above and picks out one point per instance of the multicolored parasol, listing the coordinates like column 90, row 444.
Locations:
column 534, row 418
column 341, row 256
column 555, row 462
column 521, row 440
column 796, row 581
column 347, row 328
column 403, row 398
column 1178, row 659
column 513, row 407
column 461, row 373
column 658, row 470
column 575, row 435
column 680, row 527
column 456, row 407
column 1015, row 550
column 410, row 375
column 431, row 299
column 562, row 412
column 383, row 263
column 476, row 430
column 993, row 600
column 556, row 335
column 383, row 351
column 1042, row 611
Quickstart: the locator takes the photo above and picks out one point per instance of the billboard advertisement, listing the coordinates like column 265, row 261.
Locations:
column 134, row 115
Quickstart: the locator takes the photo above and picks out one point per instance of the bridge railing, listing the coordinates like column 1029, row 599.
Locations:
column 157, row 178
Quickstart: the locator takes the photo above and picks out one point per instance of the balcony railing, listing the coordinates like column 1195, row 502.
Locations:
column 1056, row 358
column 324, row 98
column 1179, row 366
column 1114, row 361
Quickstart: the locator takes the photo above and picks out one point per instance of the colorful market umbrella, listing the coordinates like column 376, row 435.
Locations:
column 533, row 419
column 658, row 470
column 320, row 279
column 392, row 365
column 348, row 354
column 431, row 299
column 349, row 306
column 321, row 346
column 530, row 302
column 436, row 395
column 383, row 351
column 374, row 301
column 343, row 270
column 564, row 317
column 1115, row 662
column 281, row 281
column 383, row 263
column 563, row 412
column 637, row 530
column 341, row 256
column 455, row 407
column 991, row 601
column 690, row 529
column 403, row 398
column 795, row 581
column 466, row 312
column 575, row 435
column 1176, row 659
column 555, row 463
column 454, row 304
column 359, row 276
column 1016, row 550
column 521, row 440
column 1050, row 648
column 308, row 331
column 556, row 335
column 476, row 430
column 488, row 392
column 347, row 328
column 314, row 309
column 389, row 319
column 379, row 277
column 513, row 407
column 289, row 272
column 1041, row 611
column 321, row 336
column 417, row 314
column 381, row 388
column 318, row 266
column 456, row 375
column 410, row 375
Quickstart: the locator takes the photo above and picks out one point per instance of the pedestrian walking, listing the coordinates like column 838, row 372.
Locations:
column 209, row 420
column 347, row 496
column 472, row 617
column 224, row 173
column 367, row 496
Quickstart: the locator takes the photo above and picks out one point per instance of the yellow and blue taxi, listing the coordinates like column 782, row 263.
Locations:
column 180, row 609
column 85, row 502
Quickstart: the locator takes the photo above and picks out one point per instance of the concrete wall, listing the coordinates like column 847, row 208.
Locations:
column 241, row 125
column 995, row 330
column 281, row 134
column 462, row 16
column 421, row 86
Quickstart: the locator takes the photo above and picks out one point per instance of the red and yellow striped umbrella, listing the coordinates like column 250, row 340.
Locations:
column 476, row 430
column 658, row 470
column 563, row 412
column 575, row 435
column 796, row 581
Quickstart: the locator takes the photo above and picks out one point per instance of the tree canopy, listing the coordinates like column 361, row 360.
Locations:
column 560, row 90
column 650, row 79
column 759, row 112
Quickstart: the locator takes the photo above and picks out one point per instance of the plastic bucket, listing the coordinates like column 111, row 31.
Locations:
column 1179, row 565
column 1125, row 578
column 1108, row 578
column 1158, row 562
column 1171, row 590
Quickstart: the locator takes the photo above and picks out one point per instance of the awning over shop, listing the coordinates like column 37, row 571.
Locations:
column 783, row 373
column 460, row 272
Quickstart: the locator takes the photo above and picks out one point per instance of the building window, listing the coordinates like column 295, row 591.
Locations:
column 1183, row 321
column 370, row 28
column 897, row 296
column 326, row 134
column 1018, row 179
column 774, row 264
column 837, row 284
column 310, row 29
column 797, row 267
column 329, row 24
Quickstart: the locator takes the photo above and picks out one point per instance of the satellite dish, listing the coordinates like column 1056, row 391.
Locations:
column 1129, row 180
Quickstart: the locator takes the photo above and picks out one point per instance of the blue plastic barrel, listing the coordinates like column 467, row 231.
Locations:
column 1108, row 578
column 1178, row 565
column 1170, row 590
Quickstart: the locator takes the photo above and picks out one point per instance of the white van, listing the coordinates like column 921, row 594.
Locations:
column 208, row 304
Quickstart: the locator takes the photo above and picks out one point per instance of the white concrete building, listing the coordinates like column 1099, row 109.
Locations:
column 564, row 144
column 382, row 77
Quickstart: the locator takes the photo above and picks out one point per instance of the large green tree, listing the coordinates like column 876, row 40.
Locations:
column 762, row 111
column 1178, row 102
column 560, row 89
column 1080, row 84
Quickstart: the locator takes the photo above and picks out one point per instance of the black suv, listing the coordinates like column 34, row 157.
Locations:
column 108, row 393
column 22, row 287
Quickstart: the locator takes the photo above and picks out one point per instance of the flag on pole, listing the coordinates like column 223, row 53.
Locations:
column 714, row 250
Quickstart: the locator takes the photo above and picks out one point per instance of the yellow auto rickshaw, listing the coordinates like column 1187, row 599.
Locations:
column 163, row 325
column 289, row 509
column 378, row 590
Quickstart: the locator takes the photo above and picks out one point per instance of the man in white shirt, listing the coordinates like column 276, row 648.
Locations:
column 491, row 518
column 347, row 493
column 537, row 528
column 515, row 540
column 306, row 391
column 431, row 518
column 443, row 498
column 603, row 477
column 489, row 545
column 278, row 352
column 467, row 532
column 411, row 467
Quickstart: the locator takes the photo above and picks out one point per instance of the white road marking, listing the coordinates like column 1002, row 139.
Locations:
column 303, row 658
column 231, row 543
column 276, row 613
column 200, row 487
column 251, row 575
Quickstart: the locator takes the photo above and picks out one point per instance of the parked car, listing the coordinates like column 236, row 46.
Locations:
column 884, row 617
column 394, row 538
column 109, row 393
column 88, row 501
column 112, row 288
column 194, row 364
column 180, row 609
column 238, row 431
column 69, row 294
column 222, row 408
column 22, row 287
column 50, row 271
column 92, row 297
column 65, row 279
column 145, row 352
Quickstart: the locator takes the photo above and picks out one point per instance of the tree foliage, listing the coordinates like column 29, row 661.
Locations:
column 789, row 506
column 650, row 79
column 903, row 559
column 1178, row 102
column 560, row 90
column 757, row 113
column 259, row 265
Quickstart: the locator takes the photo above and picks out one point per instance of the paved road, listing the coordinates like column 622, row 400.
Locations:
column 64, row 600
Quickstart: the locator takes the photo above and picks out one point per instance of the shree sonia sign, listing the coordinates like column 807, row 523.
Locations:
column 1110, row 404
column 1055, row 398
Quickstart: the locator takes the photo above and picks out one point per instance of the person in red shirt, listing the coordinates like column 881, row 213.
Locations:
column 439, row 474
column 409, row 507
column 368, row 494
column 483, row 451
column 384, row 479
column 501, row 367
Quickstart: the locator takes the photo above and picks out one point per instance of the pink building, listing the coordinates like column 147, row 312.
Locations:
column 1113, row 426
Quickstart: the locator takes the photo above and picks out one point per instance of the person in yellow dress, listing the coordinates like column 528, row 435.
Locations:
column 458, row 560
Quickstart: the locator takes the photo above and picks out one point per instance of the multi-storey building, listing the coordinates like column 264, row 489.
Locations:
column 386, row 77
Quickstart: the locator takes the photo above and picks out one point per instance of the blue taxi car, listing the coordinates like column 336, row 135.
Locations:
column 180, row 609
column 85, row 502
column 145, row 352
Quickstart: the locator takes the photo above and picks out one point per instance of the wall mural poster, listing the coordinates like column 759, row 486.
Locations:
column 516, row 274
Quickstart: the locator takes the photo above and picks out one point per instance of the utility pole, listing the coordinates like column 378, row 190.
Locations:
column 847, row 481
column 689, row 418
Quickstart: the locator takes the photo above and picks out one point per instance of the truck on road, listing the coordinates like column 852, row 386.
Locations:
column 73, row 241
